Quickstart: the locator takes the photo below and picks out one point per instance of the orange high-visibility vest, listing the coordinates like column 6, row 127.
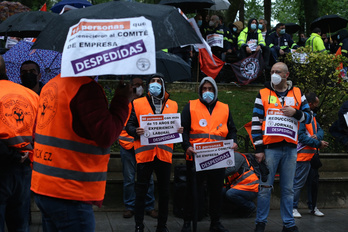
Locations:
column 307, row 153
column 18, row 111
column 147, row 153
column 270, row 100
column 206, row 127
column 125, row 140
column 247, row 181
column 66, row 165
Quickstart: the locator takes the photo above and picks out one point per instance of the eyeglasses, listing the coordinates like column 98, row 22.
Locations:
column 276, row 71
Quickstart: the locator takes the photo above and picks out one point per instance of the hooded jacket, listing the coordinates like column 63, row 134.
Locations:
column 283, row 42
column 303, row 114
column 316, row 43
column 186, row 115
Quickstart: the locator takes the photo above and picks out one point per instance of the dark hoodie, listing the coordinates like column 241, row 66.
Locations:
column 186, row 116
column 161, row 99
column 343, row 42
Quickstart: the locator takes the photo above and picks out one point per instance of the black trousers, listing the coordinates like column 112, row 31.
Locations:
column 214, row 179
column 144, row 172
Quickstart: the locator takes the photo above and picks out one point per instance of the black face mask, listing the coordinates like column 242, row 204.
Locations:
column 315, row 110
column 29, row 80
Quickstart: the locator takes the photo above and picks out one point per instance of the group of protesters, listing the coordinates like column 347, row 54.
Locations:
column 56, row 140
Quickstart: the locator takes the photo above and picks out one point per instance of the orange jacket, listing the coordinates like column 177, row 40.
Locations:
column 206, row 127
column 271, row 101
column 247, row 181
column 66, row 165
column 147, row 153
column 307, row 153
column 18, row 111
column 125, row 140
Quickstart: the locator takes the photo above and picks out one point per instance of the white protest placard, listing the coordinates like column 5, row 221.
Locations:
column 109, row 47
column 160, row 129
column 277, row 124
column 215, row 40
column 214, row 155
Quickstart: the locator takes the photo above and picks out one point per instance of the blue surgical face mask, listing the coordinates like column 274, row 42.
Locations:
column 282, row 31
column 155, row 89
column 338, row 37
column 208, row 96
column 260, row 26
column 235, row 29
column 199, row 23
column 253, row 26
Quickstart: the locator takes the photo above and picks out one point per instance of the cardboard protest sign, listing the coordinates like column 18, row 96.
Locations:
column 114, row 47
column 160, row 129
column 214, row 155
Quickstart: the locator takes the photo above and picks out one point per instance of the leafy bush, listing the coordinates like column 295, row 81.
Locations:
column 318, row 73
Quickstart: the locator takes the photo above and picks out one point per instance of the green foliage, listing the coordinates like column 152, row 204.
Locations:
column 320, row 75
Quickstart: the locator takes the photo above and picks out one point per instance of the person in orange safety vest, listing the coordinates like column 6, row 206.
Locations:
column 242, row 185
column 157, row 158
column 129, row 164
column 205, row 120
column 18, row 109
column 74, row 131
column 310, row 140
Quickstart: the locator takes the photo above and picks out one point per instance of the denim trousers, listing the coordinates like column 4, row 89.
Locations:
column 301, row 174
column 283, row 159
column 129, row 165
column 15, row 197
column 65, row 215
column 144, row 172
column 243, row 199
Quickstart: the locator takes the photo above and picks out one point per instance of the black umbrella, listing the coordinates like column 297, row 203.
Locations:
column 188, row 5
column 329, row 23
column 25, row 24
column 57, row 8
column 171, row 29
column 292, row 28
column 172, row 67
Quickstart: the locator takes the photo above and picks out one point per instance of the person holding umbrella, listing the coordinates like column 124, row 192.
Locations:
column 151, row 158
column 205, row 120
column 74, row 132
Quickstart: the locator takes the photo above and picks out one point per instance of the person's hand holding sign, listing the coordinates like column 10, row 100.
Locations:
column 140, row 131
column 181, row 130
column 190, row 151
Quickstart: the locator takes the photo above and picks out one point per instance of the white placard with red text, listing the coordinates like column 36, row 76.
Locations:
column 160, row 129
column 109, row 47
column 214, row 155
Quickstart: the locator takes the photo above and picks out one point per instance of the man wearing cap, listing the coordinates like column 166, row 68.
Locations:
column 206, row 120
column 151, row 158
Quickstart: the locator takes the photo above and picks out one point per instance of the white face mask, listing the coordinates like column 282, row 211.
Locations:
column 139, row 91
column 211, row 23
column 276, row 79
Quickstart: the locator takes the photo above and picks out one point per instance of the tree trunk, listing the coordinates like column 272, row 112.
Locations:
column 267, row 7
column 241, row 12
column 311, row 12
column 232, row 11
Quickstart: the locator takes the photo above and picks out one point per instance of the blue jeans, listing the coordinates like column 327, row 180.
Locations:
column 242, row 198
column 283, row 159
column 301, row 174
column 129, row 169
column 65, row 215
column 15, row 197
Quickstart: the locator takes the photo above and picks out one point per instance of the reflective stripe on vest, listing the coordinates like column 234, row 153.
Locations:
column 69, row 174
column 126, row 139
column 266, row 97
column 147, row 153
column 18, row 140
column 201, row 136
column 70, row 145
